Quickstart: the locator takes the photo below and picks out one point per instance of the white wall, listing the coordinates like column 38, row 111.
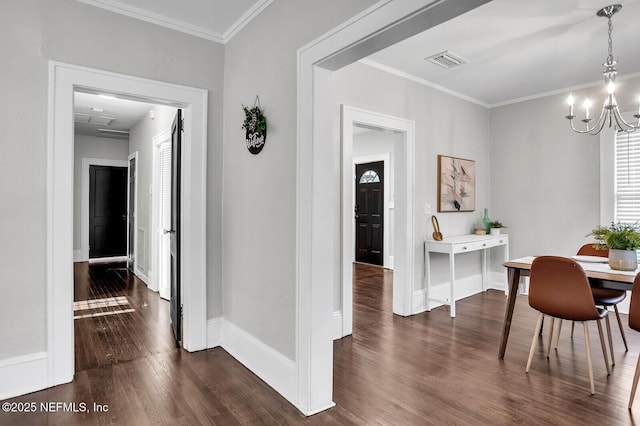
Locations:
column 444, row 125
column 91, row 147
column 259, row 223
column 141, row 141
column 34, row 32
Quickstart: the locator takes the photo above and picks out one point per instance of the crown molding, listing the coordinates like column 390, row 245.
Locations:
column 178, row 25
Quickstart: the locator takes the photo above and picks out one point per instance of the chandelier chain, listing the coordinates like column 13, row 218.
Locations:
column 610, row 57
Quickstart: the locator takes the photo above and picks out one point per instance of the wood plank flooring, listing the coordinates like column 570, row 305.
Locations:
column 425, row 369
column 126, row 320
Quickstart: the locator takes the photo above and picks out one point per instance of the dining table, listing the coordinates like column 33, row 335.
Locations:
column 596, row 268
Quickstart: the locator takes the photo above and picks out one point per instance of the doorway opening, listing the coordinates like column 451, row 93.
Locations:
column 369, row 137
column 64, row 80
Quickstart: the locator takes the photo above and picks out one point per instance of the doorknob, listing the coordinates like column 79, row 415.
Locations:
column 169, row 231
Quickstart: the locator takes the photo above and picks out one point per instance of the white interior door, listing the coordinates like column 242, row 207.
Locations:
column 164, row 222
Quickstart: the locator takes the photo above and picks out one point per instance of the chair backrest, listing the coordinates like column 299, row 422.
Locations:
column 559, row 287
column 590, row 250
column 634, row 305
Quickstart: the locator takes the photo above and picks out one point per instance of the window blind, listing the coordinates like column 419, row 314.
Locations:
column 627, row 178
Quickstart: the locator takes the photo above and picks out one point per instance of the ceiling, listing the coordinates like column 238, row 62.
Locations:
column 95, row 115
column 516, row 49
column 521, row 48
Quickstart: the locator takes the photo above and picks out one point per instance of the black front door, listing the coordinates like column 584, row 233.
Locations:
column 175, row 302
column 107, row 211
column 369, row 212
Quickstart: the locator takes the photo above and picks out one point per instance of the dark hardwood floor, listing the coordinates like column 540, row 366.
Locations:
column 424, row 369
column 117, row 317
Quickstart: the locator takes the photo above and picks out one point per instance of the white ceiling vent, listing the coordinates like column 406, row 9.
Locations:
column 93, row 119
column 447, row 59
column 116, row 134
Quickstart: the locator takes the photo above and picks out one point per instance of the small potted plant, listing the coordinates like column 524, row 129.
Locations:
column 622, row 240
column 496, row 226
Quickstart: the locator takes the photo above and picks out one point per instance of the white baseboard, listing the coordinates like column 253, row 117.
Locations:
column 465, row 287
column 275, row 369
column 142, row 276
column 214, row 332
column 23, row 374
column 496, row 280
column 336, row 325
column 78, row 257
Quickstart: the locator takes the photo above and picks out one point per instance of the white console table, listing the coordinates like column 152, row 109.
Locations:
column 455, row 245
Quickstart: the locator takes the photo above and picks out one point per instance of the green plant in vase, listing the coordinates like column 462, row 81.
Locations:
column 622, row 240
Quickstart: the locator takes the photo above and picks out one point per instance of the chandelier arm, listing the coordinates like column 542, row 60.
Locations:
column 622, row 124
column 601, row 124
column 588, row 130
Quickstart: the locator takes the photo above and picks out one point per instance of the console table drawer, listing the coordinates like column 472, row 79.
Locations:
column 471, row 246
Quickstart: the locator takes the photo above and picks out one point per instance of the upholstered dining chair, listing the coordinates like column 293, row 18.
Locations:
column 559, row 288
column 634, row 323
column 604, row 297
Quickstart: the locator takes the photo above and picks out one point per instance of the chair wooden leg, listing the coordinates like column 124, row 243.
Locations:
column 604, row 346
column 624, row 338
column 558, row 335
column 587, row 346
column 634, row 386
column 613, row 359
column 550, row 340
column 573, row 325
column 533, row 342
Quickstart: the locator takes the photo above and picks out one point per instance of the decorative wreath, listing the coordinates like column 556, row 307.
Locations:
column 255, row 125
column 254, row 120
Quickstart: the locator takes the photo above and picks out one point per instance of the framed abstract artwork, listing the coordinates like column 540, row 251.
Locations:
column 456, row 184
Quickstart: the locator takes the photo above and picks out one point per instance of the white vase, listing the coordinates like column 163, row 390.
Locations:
column 623, row 260
column 495, row 231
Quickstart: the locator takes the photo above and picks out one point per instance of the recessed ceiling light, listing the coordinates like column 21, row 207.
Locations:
column 97, row 109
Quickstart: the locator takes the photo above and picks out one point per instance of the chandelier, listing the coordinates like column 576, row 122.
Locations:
column 610, row 113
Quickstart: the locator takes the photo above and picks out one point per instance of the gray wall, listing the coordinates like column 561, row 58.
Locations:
column 91, row 147
column 444, row 124
column 545, row 178
column 34, row 32
column 259, row 221
column 141, row 141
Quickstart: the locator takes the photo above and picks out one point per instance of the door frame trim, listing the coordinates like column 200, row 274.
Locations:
column 404, row 200
column 385, row 158
column 133, row 156
column 87, row 162
column 63, row 80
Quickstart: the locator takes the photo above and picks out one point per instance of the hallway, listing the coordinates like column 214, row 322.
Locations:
column 117, row 318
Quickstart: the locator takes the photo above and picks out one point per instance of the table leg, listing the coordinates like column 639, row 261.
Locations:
column 452, row 274
column 514, row 280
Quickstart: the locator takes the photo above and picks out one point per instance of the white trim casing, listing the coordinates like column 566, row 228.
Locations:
column 63, row 80
column 133, row 156
column 84, row 199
